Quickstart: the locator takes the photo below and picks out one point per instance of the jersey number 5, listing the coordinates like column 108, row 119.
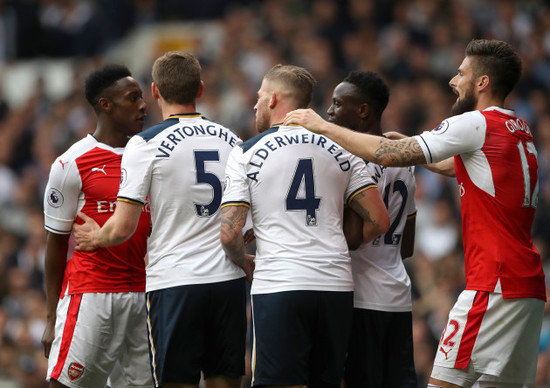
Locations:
column 303, row 177
column 201, row 157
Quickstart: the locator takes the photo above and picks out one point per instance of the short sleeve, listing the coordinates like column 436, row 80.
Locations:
column 360, row 178
column 236, row 191
column 61, row 196
column 454, row 136
column 135, row 171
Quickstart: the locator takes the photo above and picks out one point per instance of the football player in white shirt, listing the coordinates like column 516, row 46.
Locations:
column 381, row 346
column 493, row 330
column 296, row 185
column 196, row 296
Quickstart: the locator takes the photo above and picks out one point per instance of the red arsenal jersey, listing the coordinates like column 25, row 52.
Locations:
column 496, row 170
column 86, row 178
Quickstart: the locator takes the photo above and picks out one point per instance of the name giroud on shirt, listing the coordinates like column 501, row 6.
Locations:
column 181, row 133
column 286, row 140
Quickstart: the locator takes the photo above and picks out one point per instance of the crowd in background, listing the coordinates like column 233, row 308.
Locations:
column 416, row 45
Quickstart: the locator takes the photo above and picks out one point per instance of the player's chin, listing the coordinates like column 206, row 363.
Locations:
column 138, row 126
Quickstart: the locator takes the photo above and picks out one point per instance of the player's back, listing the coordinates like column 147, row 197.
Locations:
column 186, row 156
column 298, row 184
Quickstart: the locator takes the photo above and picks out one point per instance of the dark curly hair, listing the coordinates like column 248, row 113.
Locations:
column 371, row 89
column 102, row 78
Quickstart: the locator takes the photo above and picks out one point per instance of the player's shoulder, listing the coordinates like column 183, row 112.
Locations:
column 151, row 132
column 465, row 119
column 75, row 151
column 187, row 125
column 215, row 123
column 250, row 143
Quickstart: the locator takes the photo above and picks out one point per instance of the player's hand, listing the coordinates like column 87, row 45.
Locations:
column 393, row 135
column 84, row 234
column 249, row 236
column 248, row 266
column 307, row 118
column 47, row 336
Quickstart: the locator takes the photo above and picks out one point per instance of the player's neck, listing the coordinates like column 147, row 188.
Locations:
column 372, row 127
column 110, row 136
column 174, row 109
column 486, row 101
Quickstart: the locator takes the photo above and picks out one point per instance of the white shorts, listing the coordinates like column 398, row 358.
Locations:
column 92, row 332
column 490, row 338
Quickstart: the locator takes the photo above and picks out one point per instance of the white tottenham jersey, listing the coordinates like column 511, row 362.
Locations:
column 381, row 281
column 296, row 184
column 179, row 164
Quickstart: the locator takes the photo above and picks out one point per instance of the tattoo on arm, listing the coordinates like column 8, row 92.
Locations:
column 364, row 213
column 233, row 220
column 399, row 153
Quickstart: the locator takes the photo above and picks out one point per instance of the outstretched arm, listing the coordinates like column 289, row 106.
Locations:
column 445, row 167
column 231, row 237
column 377, row 149
column 119, row 228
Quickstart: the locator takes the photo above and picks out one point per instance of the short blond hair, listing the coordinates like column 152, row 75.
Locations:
column 297, row 82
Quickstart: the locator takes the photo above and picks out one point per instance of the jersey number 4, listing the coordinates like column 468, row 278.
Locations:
column 306, row 200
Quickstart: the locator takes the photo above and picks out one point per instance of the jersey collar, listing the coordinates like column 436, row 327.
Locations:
column 184, row 115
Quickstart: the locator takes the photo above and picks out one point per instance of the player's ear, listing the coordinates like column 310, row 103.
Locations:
column 201, row 89
column 155, row 91
column 483, row 83
column 364, row 110
column 273, row 100
column 104, row 104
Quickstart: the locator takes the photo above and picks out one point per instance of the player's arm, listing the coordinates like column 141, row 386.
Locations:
column 370, row 207
column 445, row 167
column 409, row 232
column 377, row 149
column 231, row 237
column 54, row 269
column 353, row 228
column 118, row 228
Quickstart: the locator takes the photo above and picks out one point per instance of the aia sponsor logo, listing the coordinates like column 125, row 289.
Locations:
column 75, row 370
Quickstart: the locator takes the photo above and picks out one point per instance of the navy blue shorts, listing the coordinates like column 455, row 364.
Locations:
column 300, row 337
column 194, row 328
column 381, row 350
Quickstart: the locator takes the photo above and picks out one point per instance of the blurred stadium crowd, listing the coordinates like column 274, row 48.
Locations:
column 416, row 45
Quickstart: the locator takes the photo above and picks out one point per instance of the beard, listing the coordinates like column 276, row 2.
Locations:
column 262, row 121
column 466, row 103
